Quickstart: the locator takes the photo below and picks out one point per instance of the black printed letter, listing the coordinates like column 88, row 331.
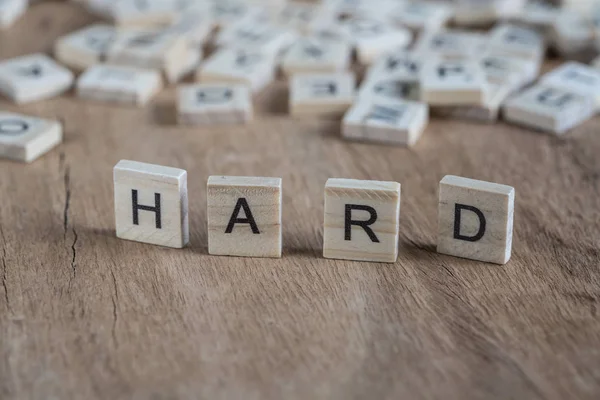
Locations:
column 242, row 203
column 363, row 224
column 479, row 234
column 136, row 207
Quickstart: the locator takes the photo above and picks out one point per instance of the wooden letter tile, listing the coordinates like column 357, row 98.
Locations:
column 548, row 108
column 460, row 82
column 475, row 219
column 254, row 37
column 10, row 11
column 201, row 104
column 312, row 55
column 373, row 38
column 86, row 47
column 151, row 203
column 25, row 138
column 485, row 113
column 361, row 220
column 238, row 66
column 124, row 85
column 422, row 16
column 244, row 216
column 450, row 44
column 386, row 120
column 321, row 94
column 517, row 41
column 161, row 50
column 33, row 77
column 144, row 13
column 580, row 78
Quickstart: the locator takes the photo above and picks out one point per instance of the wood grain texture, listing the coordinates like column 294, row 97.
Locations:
column 86, row 315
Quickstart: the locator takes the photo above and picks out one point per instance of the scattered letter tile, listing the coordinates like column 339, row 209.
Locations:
column 460, row 82
column 549, row 108
column 238, row 66
column 25, row 138
column 311, row 55
column 386, row 120
column 86, row 47
column 214, row 103
column 125, row 85
column 33, row 77
column 321, row 94
column 10, row 11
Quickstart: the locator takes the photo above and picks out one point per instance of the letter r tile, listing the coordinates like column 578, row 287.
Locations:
column 361, row 220
column 151, row 204
column 244, row 216
column 475, row 219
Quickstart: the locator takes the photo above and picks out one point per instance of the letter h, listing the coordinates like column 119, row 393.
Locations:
column 136, row 207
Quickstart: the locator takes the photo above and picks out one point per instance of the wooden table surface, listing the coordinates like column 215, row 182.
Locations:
column 84, row 315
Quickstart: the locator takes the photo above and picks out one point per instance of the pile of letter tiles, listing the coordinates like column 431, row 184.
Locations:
column 382, row 67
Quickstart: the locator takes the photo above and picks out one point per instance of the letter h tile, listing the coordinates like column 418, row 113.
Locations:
column 361, row 220
column 151, row 204
column 475, row 219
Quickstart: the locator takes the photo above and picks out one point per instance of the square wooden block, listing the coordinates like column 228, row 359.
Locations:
column 117, row 84
column 373, row 38
column 298, row 16
column 538, row 14
column 145, row 13
column 225, row 13
column 10, row 11
column 450, row 44
column 362, row 220
column 162, row 50
column 507, row 70
column 548, row 108
column 250, row 36
column 422, row 16
column 312, row 55
column 244, row 216
column 86, row 47
column 401, row 64
column 192, row 61
column 485, row 113
column 321, row 94
column 194, row 26
column 33, row 77
column 577, row 77
column 25, row 138
column 254, row 69
column 475, row 219
column 572, row 35
column 151, row 203
column 459, row 82
column 201, row 104
column 517, row 41
column 386, row 120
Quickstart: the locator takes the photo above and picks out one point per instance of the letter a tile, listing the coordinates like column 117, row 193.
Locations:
column 361, row 220
column 244, row 216
column 475, row 219
column 151, row 204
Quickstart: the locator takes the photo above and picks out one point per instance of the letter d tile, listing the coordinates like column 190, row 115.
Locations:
column 361, row 220
column 475, row 219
